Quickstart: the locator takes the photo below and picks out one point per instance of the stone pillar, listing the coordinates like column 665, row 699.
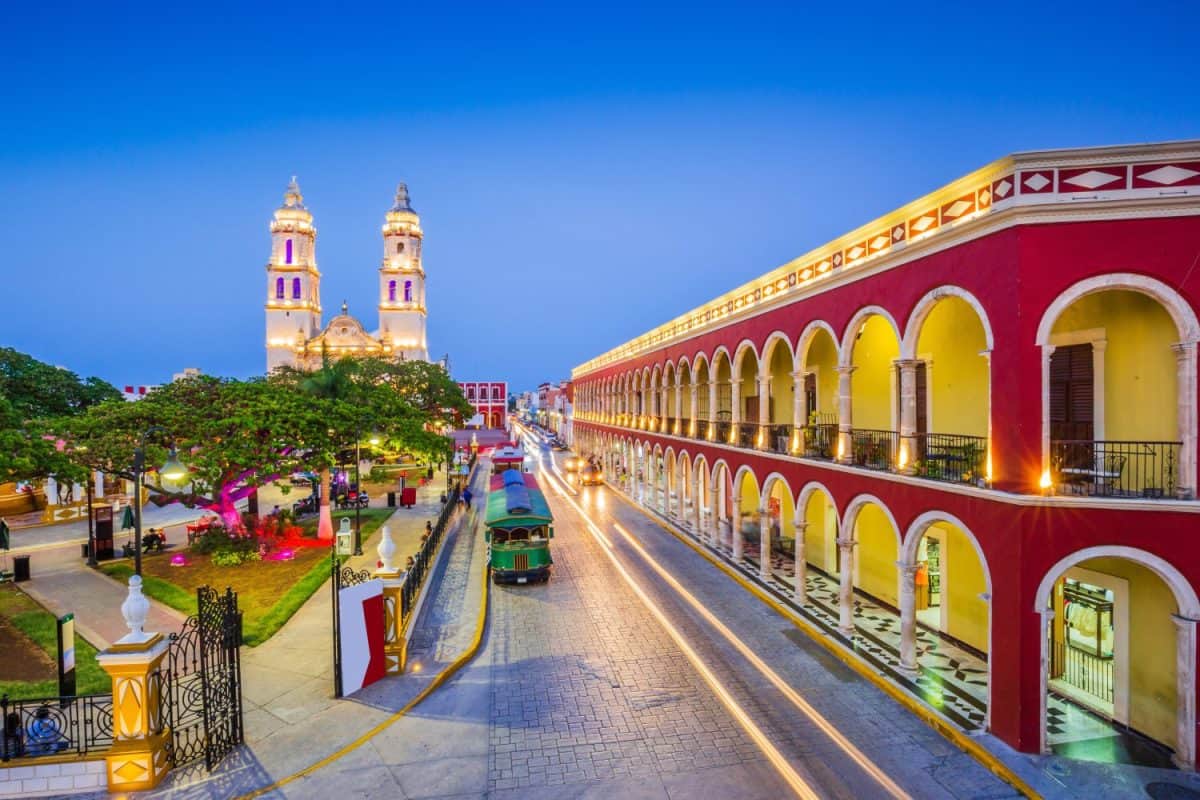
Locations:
column 735, row 412
column 712, row 409
column 736, row 543
column 908, row 618
column 1047, row 352
column 764, row 412
column 908, row 415
column 137, row 760
column 1185, row 690
column 845, row 422
column 714, row 522
column 693, row 392
column 764, row 542
column 395, row 645
column 798, row 420
column 846, row 587
column 1185, row 383
column 801, row 569
column 678, row 410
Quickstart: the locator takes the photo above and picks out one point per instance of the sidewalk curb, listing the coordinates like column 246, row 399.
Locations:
column 918, row 709
column 463, row 659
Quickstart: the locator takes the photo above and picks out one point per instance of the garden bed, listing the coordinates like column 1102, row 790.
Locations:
column 29, row 651
column 269, row 591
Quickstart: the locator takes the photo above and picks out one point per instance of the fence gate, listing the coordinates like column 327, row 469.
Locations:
column 202, row 682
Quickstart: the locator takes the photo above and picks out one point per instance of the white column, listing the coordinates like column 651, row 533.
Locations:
column 735, row 529
column 1047, row 352
column 1185, row 383
column 908, row 617
column 678, row 413
column 798, row 420
column 735, row 410
column 1047, row 616
column 801, row 569
column 987, row 464
column 712, row 526
column 1098, row 348
column 712, row 408
column 845, row 422
column 846, row 587
column 1185, row 691
column 764, row 542
column 908, row 412
column 764, row 412
column 690, row 430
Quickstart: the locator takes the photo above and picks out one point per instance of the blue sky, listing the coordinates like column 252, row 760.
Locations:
column 583, row 172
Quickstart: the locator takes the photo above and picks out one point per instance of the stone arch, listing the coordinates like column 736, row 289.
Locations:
column 912, row 330
column 807, row 491
column 1179, row 309
column 806, row 336
column 743, row 347
column 850, row 515
column 846, row 346
column 917, row 528
column 1185, row 651
column 776, row 339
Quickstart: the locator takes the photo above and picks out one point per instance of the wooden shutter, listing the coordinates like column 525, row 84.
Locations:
column 922, row 399
column 1072, row 393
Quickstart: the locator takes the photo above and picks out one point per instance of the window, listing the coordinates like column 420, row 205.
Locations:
column 279, row 288
column 288, row 256
column 1071, row 393
column 399, row 247
column 408, row 291
column 295, row 288
column 391, row 291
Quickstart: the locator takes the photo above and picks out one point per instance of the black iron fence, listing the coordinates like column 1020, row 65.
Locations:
column 1115, row 469
column 747, row 435
column 55, row 726
column 1083, row 670
column 950, row 457
column 873, row 449
column 820, row 438
column 779, row 438
column 701, row 429
column 668, row 425
column 423, row 560
column 721, row 429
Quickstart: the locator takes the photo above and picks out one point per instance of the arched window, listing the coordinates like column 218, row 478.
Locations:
column 288, row 255
column 408, row 291
column 391, row 291
column 279, row 288
column 295, row 288
column 399, row 247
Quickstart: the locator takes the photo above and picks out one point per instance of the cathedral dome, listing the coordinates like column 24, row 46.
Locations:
column 402, row 210
column 293, row 209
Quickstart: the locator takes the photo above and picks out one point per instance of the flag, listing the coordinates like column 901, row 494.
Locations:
column 127, row 518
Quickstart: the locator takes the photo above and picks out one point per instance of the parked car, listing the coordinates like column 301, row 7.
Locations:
column 591, row 475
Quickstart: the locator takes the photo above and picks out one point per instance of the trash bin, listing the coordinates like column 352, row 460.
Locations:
column 391, row 500
column 20, row 568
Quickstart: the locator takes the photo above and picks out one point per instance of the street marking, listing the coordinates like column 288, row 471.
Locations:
column 797, row 783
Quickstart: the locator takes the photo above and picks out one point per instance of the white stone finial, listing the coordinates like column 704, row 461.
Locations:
column 135, row 609
column 386, row 550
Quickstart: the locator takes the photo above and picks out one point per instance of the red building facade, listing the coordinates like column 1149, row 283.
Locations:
column 490, row 400
column 993, row 387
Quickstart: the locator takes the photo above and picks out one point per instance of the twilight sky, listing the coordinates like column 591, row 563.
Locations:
column 583, row 173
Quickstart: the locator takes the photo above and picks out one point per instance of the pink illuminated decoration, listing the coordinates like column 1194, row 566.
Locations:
column 408, row 291
column 281, row 555
column 295, row 288
column 279, row 288
column 288, row 257
column 178, row 560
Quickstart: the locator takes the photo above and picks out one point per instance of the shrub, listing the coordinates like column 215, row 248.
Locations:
column 211, row 540
column 234, row 558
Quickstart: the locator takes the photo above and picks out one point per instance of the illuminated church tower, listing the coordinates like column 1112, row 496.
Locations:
column 402, row 282
column 293, row 283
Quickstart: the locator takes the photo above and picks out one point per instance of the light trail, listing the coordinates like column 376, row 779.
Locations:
column 786, row 771
column 779, row 683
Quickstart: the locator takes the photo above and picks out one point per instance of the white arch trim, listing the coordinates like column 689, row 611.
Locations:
column 846, row 352
column 912, row 540
column 1185, row 594
column 740, row 354
column 1181, row 313
column 806, row 338
column 812, row 487
column 921, row 311
column 768, row 351
column 850, row 518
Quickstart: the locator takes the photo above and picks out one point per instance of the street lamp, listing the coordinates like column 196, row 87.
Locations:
column 172, row 471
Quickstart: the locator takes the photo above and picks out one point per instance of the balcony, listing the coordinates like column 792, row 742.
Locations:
column 820, row 438
column 874, row 449
column 747, row 435
column 1146, row 470
column 779, row 438
column 701, row 429
column 950, row 457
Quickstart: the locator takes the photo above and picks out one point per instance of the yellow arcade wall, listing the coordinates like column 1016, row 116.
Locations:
column 1139, row 365
column 1152, row 707
column 871, row 387
column 963, row 581
column 876, row 553
column 953, row 338
column 820, row 538
column 787, row 509
column 685, row 394
column 822, row 360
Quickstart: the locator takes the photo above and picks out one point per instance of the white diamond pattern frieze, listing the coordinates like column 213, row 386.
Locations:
column 957, row 208
column 1093, row 179
column 880, row 241
column 1003, row 188
column 924, row 223
column 1168, row 175
column 1037, row 182
column 897, row 233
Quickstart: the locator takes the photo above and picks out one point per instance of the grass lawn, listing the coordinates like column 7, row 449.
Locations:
column 26, row 626
column 269, row 592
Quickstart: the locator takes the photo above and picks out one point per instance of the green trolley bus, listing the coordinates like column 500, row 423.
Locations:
column 519, row 528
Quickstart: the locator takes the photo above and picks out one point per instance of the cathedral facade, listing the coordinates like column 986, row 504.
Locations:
column 295, row 334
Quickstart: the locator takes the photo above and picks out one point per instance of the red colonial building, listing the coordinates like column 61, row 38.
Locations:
column 963, row 438
column 489, row 399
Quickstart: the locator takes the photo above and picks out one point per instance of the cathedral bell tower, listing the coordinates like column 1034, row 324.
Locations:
column 402, row 282
column 293, row 304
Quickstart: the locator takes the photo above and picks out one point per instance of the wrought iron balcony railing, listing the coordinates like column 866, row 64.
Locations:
column 779, row 438
column 874, row 449
column 720, row 430
column 55, row 726
column 1115, row 469
column 702, row 429
column 747, row 434
column 949, row 457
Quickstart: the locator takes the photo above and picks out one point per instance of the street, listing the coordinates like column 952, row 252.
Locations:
column 641, row 667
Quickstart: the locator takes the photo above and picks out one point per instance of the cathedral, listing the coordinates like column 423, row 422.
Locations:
column 295, row 336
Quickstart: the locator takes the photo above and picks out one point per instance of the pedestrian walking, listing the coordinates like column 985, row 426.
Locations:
column 466, row 496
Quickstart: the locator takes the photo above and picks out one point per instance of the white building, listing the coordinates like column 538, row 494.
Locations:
column 295, row 336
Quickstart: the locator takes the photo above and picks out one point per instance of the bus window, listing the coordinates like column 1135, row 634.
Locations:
column 499, row 537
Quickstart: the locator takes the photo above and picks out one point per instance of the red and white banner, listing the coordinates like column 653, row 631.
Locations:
column 360, row 619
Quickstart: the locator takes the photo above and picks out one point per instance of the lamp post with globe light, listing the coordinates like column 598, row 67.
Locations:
column 172, row 471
